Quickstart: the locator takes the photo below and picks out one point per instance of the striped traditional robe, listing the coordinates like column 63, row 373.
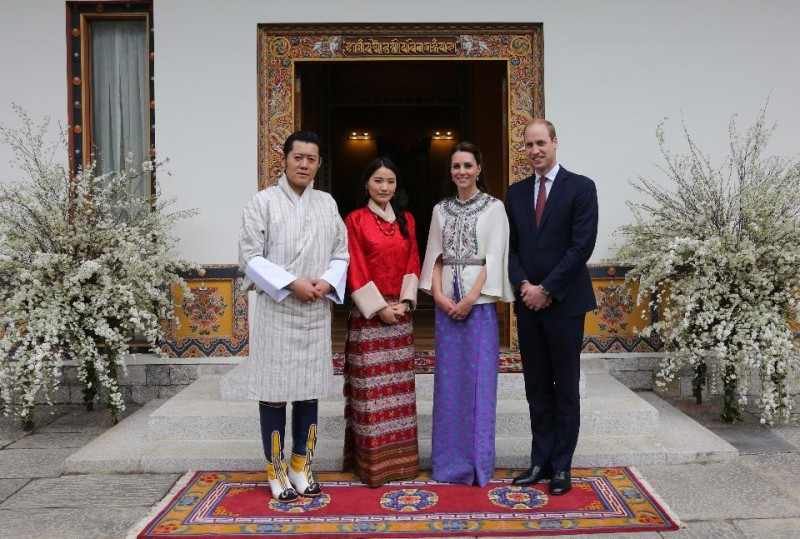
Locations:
column 283, row 237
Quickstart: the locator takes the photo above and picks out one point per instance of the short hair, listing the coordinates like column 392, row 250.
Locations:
column 551, row 129
column 302, row 136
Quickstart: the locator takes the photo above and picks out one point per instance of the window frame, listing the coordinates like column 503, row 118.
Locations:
column 80, row 15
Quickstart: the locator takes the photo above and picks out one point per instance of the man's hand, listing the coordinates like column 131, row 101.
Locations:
column 305, row 291
column 322, row 286
column 534, row 298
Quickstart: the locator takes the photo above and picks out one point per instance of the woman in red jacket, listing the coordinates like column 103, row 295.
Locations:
column 380, row 406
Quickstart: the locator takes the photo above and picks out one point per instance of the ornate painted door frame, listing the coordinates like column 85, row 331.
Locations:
column 280, row 46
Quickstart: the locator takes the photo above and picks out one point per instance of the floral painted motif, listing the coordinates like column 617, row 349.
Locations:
column 205, row 310
column 230, row 338
column 614, row 307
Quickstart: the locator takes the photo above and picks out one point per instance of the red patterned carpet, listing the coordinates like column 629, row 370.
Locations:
column 239, row 505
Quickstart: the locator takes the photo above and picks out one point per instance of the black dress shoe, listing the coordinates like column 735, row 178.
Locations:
column 531, row 476
column 561, row 483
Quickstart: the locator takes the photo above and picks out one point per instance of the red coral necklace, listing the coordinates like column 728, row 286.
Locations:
column 388, row 232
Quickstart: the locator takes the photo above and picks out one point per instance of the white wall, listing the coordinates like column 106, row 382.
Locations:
column 33, row 63
column 613, row 69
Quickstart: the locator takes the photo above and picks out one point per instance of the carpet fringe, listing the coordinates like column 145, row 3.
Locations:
column 656, row 497
column 160, row 506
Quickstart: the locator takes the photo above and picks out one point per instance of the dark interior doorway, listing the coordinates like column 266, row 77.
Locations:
column 402, row 105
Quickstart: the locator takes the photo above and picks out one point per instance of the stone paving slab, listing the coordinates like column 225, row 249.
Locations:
column 790, row 433
column 11, row 428
column 770, row 528
column 10, row 486
column 749, row 439
column 73, row 491
column 715, row 529
column 718, row 491
column 51, row 440
column 780, row 469
column 19, row 463
column 78, row 523
column 683, row 440
column 77, row 419
column 118, row 449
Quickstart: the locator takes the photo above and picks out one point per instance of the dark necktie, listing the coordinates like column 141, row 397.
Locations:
column 541, row 198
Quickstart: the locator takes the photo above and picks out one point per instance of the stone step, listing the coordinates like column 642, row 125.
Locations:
column 232, row 386
column 197, row 414
column 177, row 456
column 128, row 447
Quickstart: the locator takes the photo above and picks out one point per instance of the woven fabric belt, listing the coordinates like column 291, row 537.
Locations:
column 463, row 262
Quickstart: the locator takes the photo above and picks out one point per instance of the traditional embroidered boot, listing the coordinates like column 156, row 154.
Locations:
column 273, row 428
column 300, row 469
column 276, row 473
column 304, row 438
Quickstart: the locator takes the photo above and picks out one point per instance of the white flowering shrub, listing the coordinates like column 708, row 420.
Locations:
column 84, row 268
column 717, row 251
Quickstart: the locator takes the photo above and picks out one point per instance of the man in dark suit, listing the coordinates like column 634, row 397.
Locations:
column 553, row 219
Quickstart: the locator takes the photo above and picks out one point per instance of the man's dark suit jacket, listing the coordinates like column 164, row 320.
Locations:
column 555, row 254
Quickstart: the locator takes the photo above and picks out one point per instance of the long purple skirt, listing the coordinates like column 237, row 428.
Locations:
column 465, row 396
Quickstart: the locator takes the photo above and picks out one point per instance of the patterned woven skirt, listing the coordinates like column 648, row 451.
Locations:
column 465, row 396
column 380, row 442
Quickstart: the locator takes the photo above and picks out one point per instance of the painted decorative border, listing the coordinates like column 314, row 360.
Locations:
column 610, row 328
column 236, row 344
column 280, row 46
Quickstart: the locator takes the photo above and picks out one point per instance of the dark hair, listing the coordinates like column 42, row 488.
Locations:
column 301, row 136
column 475, row 151
column 399, row 201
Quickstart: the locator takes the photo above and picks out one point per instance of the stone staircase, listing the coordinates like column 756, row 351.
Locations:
column 210, row 426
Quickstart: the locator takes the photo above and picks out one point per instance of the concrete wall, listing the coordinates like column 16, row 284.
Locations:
column 613, row 69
